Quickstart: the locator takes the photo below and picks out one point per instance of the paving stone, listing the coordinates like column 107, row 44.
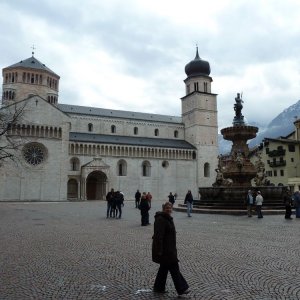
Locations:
column 71, row 251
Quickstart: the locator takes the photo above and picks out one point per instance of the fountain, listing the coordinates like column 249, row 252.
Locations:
column 235, row 172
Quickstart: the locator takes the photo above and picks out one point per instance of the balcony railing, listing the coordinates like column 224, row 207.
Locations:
column 278, row 152
column 277, row 163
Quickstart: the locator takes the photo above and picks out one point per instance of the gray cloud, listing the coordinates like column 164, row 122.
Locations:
column 253, row 47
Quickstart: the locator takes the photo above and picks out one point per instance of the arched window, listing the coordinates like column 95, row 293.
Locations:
column 206, row 170
column 122, row 168
column 156, row 132
column 74, row 162
column 113, row 129
column 146, row 169
column 175, row 134
column 135, row 130
column 90, row 127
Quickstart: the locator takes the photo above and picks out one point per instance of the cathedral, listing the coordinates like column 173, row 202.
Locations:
column 71, row 152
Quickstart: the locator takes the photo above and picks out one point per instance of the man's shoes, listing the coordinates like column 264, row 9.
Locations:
column 184, row 292
column 189, row 216
column 160, row 292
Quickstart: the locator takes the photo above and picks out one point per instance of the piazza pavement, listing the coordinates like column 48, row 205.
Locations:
column 69, row 250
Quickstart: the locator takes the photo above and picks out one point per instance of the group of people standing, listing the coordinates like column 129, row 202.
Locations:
column 255, row 199
column 115, row 202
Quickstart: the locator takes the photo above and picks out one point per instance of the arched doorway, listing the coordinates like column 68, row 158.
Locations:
column 96, row 186
column 72, row 189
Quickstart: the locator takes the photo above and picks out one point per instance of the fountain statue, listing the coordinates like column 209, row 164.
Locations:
column 236, row 172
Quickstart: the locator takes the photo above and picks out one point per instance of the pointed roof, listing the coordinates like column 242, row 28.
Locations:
column 32, row 63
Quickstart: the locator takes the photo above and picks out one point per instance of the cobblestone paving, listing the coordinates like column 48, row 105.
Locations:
column 71, row 251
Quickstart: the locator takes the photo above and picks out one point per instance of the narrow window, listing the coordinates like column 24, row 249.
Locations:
column 90, row 127
column 122, row 168
column 275, row 172
column 206, row 170
column 146, row 169
column 175, row 134
column 196, row 86
column 113, row 129
column 156, row 132
column 281, row 172
column 135, row 130
column 74, row 164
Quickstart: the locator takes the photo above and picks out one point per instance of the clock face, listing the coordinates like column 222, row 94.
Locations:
column 34, row 154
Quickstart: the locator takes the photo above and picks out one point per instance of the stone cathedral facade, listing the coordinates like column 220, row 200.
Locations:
column 72, row 152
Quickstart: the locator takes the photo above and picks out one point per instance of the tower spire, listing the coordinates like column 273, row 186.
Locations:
column 197, row 54
column 33, row 48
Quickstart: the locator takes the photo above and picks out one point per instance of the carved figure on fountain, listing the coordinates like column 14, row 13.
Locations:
column 260, row 178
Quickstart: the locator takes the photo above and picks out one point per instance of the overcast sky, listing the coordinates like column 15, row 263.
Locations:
column 131, row 54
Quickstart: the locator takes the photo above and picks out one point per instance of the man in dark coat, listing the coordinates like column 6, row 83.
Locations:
column 137, row 197
column 164, row 252
column 109, row 199
column 171, row 198
column 119, row 199
column 189, row 202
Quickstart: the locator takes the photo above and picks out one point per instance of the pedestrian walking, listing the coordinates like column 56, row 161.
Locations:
column 144, row 207
column 137, row 197
column 297, row 203
column 171, row 198
column 249, row 202
column 287, row 200
column 164, row 252
column 258, row 202
column 189, row 202
column 109, row 199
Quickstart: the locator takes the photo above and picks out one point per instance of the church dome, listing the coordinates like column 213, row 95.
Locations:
column 197, row 67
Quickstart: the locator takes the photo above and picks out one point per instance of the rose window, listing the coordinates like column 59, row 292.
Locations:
column 34, row 154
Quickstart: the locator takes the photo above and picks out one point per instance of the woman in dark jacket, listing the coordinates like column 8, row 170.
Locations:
column 164, row 252
column 144, row 207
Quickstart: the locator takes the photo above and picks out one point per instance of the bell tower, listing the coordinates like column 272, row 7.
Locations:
column 29, row 77
column 199, row 115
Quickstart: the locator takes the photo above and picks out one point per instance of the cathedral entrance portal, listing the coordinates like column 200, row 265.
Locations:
column 96, row 186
